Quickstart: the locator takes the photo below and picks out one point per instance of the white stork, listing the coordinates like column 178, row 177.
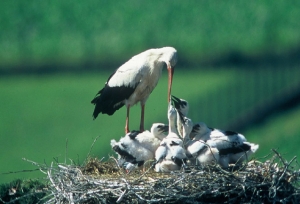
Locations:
column 130, row 151
column 134, row 81
column 135, row 148
column 200, row 130
column 204, row 152
column 182, row 107
column 227, row 147
column 233, row 147
column 170, row 155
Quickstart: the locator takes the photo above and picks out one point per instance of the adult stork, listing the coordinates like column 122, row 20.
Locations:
column 134, row 81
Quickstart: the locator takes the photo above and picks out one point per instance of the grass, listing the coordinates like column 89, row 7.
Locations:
column 72, row 32
column 281, row 132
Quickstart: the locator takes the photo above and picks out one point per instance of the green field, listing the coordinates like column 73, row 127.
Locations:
column 41, row 115
column 281, row 132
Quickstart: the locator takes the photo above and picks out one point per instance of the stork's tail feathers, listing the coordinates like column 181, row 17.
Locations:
column 98, row 107
column 253, row 147
column 105, row 104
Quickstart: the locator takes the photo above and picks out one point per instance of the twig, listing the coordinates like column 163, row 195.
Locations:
column 285, row 168
column 147, row 171
column 66, row 153
column 121, row 196
column 51, row 180
column 176, row 182
column 282, row 160
column 21, row 171
column 88, row 155
column 255, row 182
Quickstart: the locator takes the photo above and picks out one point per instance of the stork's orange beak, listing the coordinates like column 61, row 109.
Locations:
column 171, row 72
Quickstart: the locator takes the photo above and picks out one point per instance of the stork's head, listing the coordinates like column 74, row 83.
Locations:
column 200, row 128
column 158, row 130
column 181, row 105
column 169, row 56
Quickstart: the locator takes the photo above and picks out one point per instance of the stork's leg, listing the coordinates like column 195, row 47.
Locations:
column 142, row 117
column 127, row 121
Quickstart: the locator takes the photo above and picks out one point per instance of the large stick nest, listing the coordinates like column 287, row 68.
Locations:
column 274, row 180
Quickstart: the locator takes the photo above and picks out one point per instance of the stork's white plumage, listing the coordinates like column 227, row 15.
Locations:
column 170, row 155
column 233, row 147
column 172, row 116
column 187, row 127
column 198, row 151
column 247, row 151
column 210, row 154
column 200, row 132
column 130, row 150
column 134, row 81
column 161, row 152
column 135, row 148
column 182, row 107
column 159, row 130
column 227, row 147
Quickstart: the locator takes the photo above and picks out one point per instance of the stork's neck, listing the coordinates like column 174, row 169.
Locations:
column 160, row 136
column 172, row 125
column 186, row 132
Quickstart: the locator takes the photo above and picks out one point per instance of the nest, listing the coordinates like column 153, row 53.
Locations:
column 274, row 180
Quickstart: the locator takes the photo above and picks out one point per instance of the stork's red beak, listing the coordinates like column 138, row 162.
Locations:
column 171, row 72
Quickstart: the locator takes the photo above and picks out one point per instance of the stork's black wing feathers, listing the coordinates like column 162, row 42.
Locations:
column 235, row 149
column 133, row 134
column 109, row 99
column 229, row 133
column 178, row 161
column 124, row 154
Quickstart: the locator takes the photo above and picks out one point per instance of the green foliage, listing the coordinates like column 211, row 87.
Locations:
column 71, row 32
column 22, row 191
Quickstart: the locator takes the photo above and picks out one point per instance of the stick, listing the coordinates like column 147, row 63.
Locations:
column 66, row 153
column 87, row 156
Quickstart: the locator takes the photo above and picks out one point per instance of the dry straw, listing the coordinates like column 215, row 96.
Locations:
column 272, row 181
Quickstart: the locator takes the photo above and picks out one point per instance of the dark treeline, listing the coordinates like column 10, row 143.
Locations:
column 233, row 58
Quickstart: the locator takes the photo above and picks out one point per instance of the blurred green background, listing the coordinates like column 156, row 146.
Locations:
column 239, row 67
